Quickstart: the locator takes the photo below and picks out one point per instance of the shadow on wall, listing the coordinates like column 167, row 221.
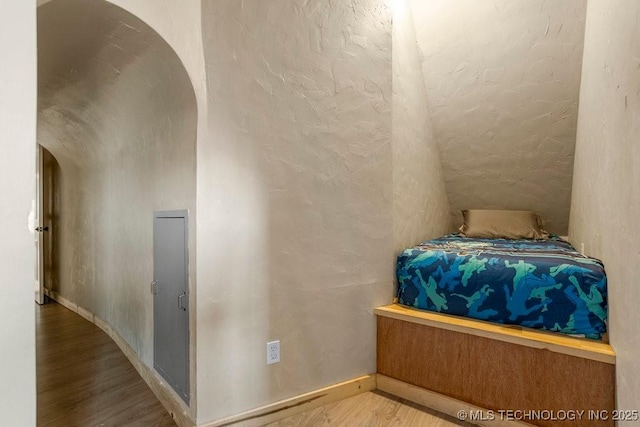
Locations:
column 117, row 110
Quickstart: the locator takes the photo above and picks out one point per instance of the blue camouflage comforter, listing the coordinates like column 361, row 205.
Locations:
column 543, row 284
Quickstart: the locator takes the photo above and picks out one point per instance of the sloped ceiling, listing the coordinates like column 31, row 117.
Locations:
column 503, row 79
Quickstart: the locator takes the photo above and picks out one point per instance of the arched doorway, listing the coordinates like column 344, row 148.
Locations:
column 117, row 111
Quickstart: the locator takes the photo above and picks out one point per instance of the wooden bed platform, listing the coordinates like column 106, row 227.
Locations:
column 431, row 357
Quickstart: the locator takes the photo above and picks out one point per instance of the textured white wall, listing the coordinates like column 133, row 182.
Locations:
column 295, row 198
column 117, row 110
column 17, row 187
column 502, row 79
column 606, row 190
column 299, row 211
column 420, row 204
column 179, row 23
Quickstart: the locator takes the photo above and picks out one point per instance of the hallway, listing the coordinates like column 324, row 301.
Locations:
column 83, row 379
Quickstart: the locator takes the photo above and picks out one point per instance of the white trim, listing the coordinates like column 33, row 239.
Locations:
column 86, row 314
column 61, row 300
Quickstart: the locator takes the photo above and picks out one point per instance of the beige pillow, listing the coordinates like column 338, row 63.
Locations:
column 497, row 224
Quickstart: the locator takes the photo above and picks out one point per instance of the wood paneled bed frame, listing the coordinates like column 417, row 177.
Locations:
column 495, row 367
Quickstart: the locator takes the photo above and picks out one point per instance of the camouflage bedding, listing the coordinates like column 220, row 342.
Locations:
column 542, row 284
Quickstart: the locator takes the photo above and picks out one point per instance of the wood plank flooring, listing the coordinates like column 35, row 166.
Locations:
column 83, row 379
column 370, row 409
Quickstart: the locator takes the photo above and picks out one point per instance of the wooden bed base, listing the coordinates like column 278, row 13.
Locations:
column 501, row 368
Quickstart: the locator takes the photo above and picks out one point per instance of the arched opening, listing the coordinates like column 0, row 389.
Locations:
column 117, row 111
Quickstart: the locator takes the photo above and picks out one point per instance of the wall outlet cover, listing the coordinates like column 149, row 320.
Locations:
column 273, row 352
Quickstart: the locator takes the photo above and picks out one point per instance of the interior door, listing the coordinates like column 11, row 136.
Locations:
column 39, row 228
column 171, row 299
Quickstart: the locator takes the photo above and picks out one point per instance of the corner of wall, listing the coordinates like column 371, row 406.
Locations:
column 421, row 207
column 606, row 198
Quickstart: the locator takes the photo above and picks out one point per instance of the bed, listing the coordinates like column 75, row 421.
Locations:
column 537, row 283
column 465, row 290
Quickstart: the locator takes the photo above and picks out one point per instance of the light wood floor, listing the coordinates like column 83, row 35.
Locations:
column 83, row 379
column 369, row 410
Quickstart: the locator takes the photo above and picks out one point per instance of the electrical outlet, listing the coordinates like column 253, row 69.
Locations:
column 273, row 352
column 582, row 248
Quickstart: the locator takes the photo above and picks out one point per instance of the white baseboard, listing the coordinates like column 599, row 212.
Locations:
column 174, row 405
column 61, row 300
column 298, row 404
column 86, row 314
column 444, row 404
